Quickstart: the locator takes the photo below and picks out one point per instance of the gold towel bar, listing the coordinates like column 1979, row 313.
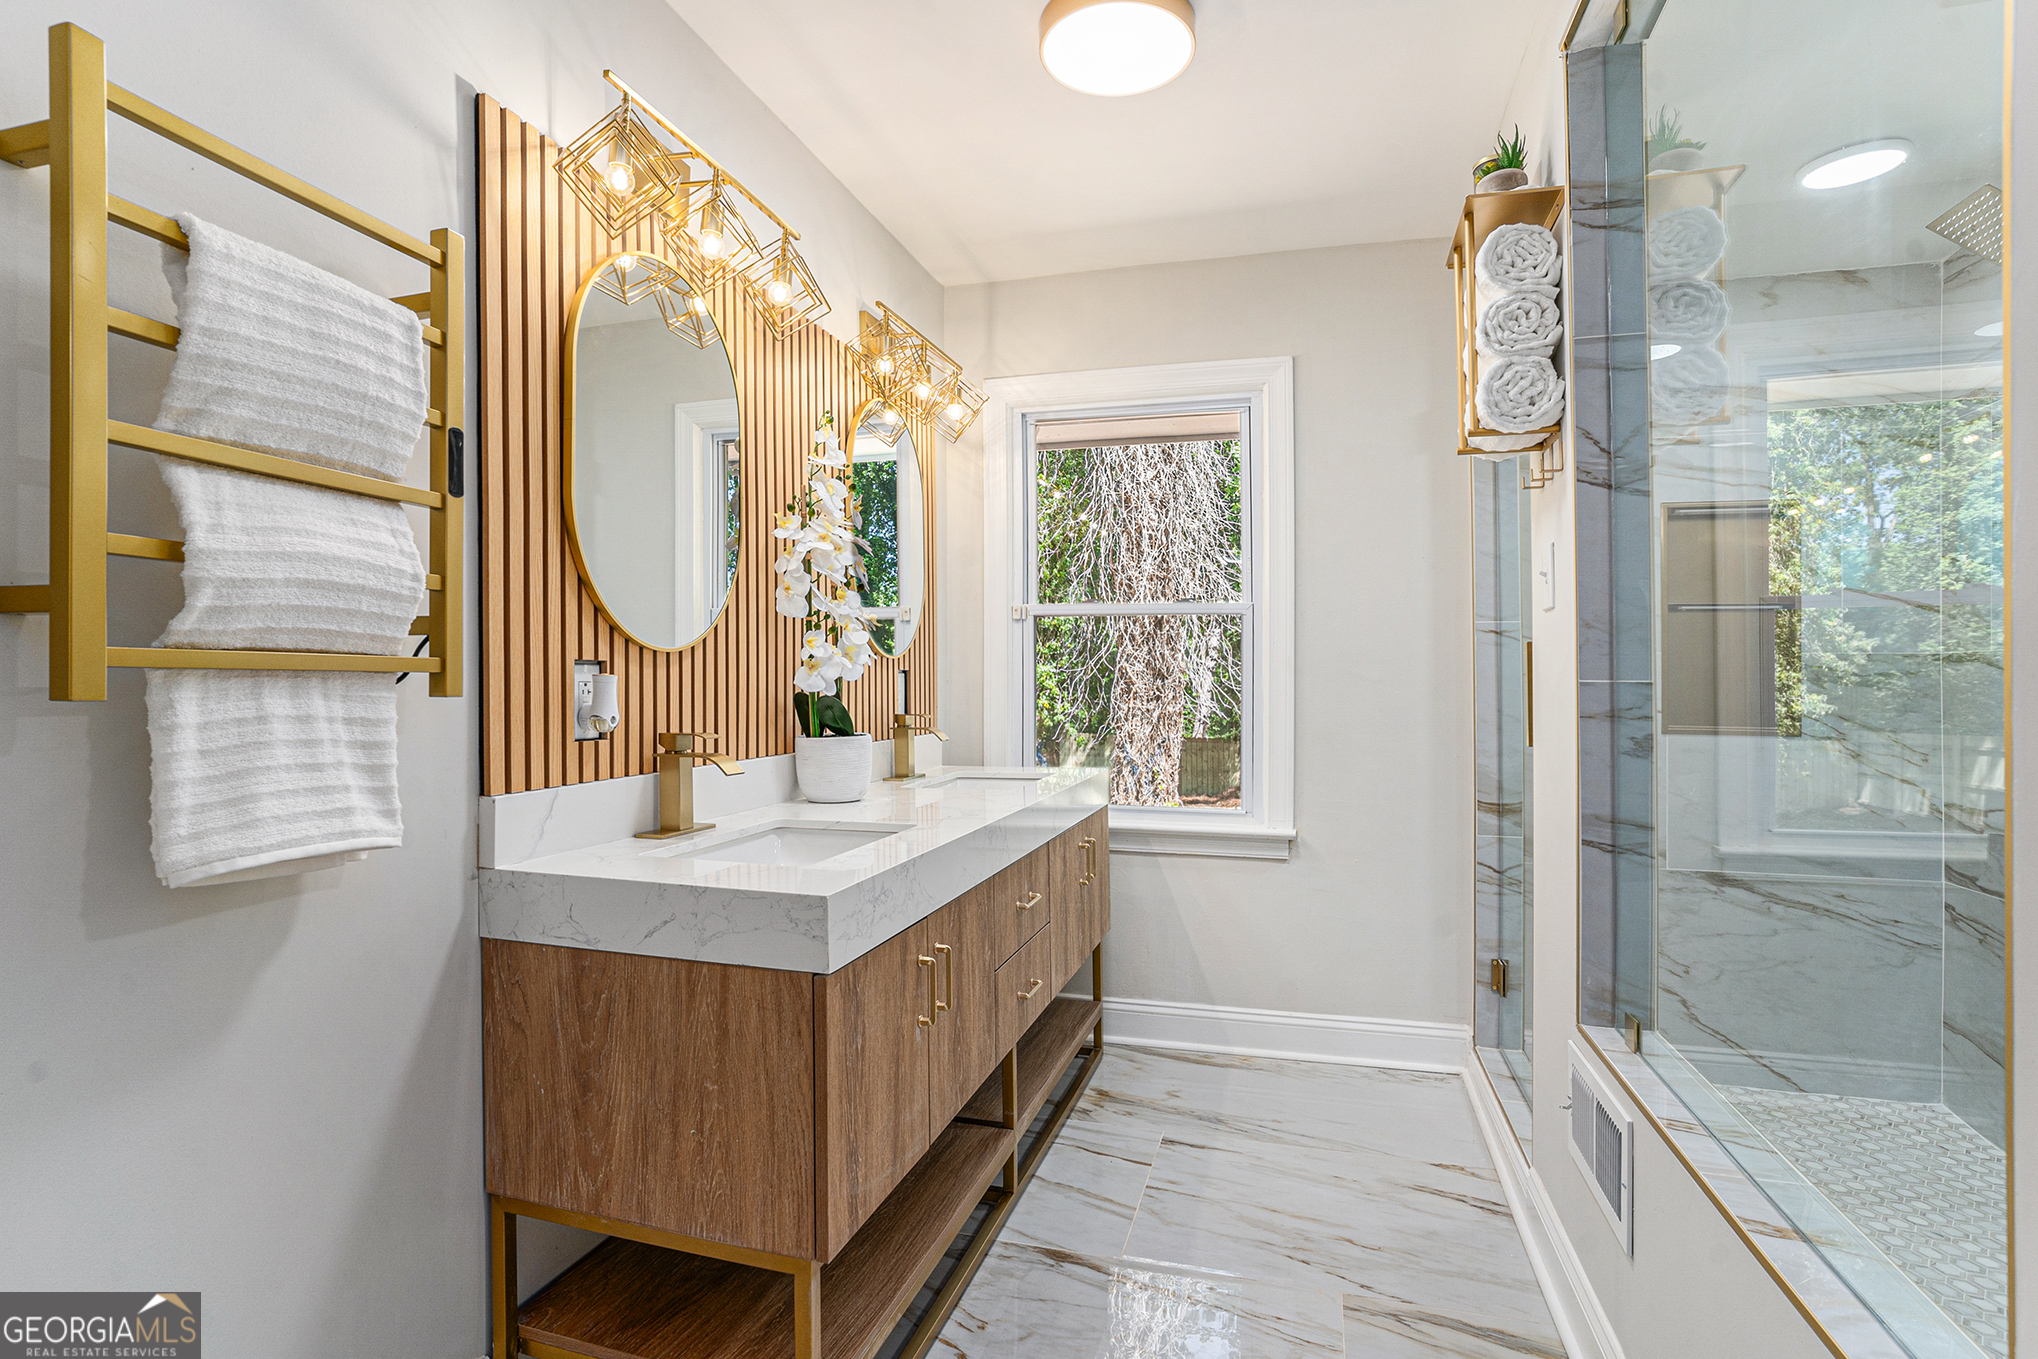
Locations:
column 72, row 143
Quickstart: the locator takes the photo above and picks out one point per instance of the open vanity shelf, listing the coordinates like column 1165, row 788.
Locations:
column 789, row 1163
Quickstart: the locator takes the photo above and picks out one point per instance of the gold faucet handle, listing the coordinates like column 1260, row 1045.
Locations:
column 920, row 722
column 669, row 741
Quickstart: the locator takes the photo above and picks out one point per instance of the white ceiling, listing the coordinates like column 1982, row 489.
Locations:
column 1300, row 123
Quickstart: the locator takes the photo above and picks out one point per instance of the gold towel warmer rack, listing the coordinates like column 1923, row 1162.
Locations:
column 72, row 143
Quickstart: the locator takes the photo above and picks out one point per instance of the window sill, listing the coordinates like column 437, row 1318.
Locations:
column 1139, row 832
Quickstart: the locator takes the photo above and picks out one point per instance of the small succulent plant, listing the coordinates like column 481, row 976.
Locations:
column 1667, row 134
column 1510, row 155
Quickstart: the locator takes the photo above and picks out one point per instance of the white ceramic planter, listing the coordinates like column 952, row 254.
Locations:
column 832, row 768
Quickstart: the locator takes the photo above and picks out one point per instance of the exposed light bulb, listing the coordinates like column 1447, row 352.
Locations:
column 921, row 391
column 711, row 243
column 780, row 292
column 955, row 410
column 621, row 178
column 700, row 305
column 625, row 263
column 884, row 366
column 885, row 414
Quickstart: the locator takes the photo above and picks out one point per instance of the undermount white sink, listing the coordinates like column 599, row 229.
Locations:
column 794, row 842
column 985, row 780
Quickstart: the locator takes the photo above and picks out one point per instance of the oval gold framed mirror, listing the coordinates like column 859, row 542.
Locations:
column 653, row 452
column 887, row 477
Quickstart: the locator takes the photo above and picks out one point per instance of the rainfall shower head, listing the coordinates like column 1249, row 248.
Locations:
column 1975, row 223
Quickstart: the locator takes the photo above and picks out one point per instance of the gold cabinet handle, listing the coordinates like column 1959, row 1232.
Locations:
column 1030, row 992
column 948, row 965
column 1029, row 901
column 1089, row 848
column 933, row 1007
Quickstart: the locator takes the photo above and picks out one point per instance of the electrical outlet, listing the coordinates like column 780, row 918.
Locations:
column 582, row 697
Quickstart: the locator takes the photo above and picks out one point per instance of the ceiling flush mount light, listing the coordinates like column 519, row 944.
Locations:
column 1116, row 47
column 1853, row 164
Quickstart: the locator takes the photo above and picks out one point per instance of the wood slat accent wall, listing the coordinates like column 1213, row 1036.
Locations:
column 535, row 244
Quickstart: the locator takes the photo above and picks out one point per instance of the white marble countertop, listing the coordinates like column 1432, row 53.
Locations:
column 669, row 899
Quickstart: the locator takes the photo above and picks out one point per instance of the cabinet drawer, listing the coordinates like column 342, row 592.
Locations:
column 1022, row 900
column 1025, row 987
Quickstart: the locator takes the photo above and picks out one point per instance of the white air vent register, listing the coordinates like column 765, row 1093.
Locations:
column 1603, row 1145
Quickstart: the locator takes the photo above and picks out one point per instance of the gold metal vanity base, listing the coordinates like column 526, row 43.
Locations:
column 670, row 834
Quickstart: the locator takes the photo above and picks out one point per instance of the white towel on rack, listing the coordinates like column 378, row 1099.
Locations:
column 277, row 354
column 258, row 773
column 1685, row 242
column 1519, row 255
column 1519, row 394
column 1687, row 311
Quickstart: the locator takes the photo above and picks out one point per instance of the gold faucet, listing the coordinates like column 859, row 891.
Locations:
column 676, row 759
column 904, row 727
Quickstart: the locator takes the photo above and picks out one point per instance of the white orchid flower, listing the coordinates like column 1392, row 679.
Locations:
column 832, row 492
column 787, row 525
column 790, row 599
column 810, row 678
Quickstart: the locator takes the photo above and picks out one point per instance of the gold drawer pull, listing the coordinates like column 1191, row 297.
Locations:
column 1030, row 992
column 1029, row 901
column 927, row 1020
column 948, row 965
column 1089, row 848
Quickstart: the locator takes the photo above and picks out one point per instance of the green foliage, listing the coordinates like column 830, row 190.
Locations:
column 822, row 715
column 1076, row 660
column 1667, row 133
column 1510, row 155
column 877, row 497
column 1902, row 500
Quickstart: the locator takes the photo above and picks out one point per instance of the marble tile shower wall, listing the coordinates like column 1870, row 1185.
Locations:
column 1610, row 452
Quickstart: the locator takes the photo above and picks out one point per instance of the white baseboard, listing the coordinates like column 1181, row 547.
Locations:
column 1412, row 1045
column 1582, row 1323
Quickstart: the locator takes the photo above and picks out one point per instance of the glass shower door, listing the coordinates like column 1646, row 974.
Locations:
column 1503, row 908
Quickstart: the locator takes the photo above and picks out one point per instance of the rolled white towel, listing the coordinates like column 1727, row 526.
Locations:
column 1519, row 394
column 1518, row 256
column 1688, row 387
column 1686, row 242
column 1687, row 311
column 1521, row 323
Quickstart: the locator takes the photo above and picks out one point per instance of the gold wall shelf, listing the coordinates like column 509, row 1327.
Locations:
column 72, row 143
column 1483, row 214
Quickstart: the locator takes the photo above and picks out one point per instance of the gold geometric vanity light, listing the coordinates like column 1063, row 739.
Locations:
column 908, row 372
column 632, row 278
column 686, row 314
column 624, row 172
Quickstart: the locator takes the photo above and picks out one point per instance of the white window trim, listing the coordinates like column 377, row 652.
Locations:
column 1269, row 832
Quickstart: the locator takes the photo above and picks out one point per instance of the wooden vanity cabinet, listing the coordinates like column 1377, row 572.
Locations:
column 870, row 1087
column 1081, row 874
column 732, row 1121
column 965, row 938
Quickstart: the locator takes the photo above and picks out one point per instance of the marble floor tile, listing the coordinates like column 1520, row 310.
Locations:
column 1376, row 1332
column 1395, row 1230
column 1199, row 1206
column 1031, row 1303
column 1214, row 1098
column 1084, row 1195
